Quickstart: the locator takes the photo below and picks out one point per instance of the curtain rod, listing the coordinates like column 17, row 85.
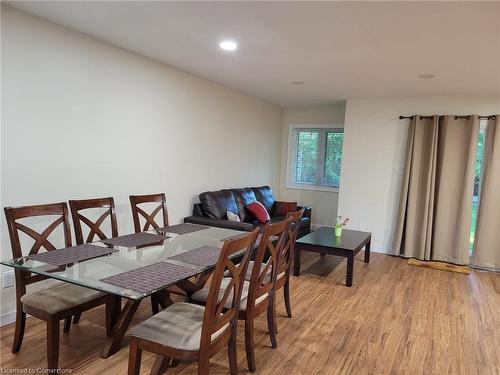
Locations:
column 491, row 117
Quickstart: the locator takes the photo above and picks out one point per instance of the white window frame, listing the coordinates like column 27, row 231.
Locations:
column 291, row 159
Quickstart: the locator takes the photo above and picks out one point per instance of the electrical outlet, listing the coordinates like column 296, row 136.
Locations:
column 7, row 279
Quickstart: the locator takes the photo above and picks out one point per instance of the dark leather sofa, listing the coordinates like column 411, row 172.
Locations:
column 214, row 205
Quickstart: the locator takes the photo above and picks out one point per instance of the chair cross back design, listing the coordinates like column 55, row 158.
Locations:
column 216, row 313
column 13, row 214
column 287, row 252
column 218, row 319
column 136, row 200
column 54, row 303
column 94, row 226
column 262, row 278
column 285, row 259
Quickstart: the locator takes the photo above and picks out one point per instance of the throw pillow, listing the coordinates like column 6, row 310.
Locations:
column 283, row 208
column 232, row 216
column 259, row 211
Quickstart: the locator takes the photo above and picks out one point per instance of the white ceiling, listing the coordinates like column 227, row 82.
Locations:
column 339, row 49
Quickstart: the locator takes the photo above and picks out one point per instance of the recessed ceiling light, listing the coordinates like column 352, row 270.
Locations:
column 426, row 76
column 228, row 45
column 297, row 82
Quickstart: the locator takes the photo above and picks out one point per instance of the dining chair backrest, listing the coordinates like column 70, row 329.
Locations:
column 136, row 200
column 94, row 226
column 14, row 214
column 265, row 267
column 286, row 254
column 217, row 314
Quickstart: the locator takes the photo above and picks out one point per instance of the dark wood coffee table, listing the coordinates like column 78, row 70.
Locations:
column 323, row 241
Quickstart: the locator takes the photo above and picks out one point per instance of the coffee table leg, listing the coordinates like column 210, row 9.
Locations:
column 367, row 252
column 296, row 261
column 350, row 269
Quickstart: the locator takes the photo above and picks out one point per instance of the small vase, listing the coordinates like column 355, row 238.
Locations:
column 338, row 231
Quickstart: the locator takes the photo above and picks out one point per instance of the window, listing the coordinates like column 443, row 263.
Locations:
column 477, row 181
column 315, row 157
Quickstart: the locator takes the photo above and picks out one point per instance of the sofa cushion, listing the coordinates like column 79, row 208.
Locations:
column 232, row 217
column 259, row 211
column 264, row 195
column 243, row 198
column 216, row 203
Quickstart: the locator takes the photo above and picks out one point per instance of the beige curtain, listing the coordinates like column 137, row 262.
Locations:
column 435, row 209
column 487, row 241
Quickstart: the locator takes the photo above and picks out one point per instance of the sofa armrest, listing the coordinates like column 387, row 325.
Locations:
column 307, row 211
column 212, row 222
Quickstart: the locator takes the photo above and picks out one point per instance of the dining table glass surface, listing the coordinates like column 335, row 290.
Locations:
column 90, row 273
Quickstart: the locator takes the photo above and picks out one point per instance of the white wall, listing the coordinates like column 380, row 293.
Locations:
column 324, row 204
column 82, row 119
column 374, row 154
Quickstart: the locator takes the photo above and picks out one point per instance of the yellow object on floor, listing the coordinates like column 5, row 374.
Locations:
column 439, row 266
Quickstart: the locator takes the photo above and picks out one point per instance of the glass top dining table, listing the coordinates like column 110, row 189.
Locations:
column 177, row 256
column 90, row 273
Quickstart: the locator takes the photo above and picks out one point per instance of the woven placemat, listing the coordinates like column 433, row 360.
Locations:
column 135, row 239
column 152, row 277
column 184, row 228
column 201, row 256
column 69, row 255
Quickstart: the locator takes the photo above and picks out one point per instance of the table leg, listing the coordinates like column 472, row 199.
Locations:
column 163, row 298
column 350, row 270
column 190, row 287
column 114, row 342
column 367, row 252
column 296, row 261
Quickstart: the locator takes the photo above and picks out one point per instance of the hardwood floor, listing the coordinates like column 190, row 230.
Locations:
column 396, row 319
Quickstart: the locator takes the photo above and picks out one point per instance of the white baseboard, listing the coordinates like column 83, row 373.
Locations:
column 7, row 318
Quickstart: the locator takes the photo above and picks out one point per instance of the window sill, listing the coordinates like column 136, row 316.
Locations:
column 313, row 188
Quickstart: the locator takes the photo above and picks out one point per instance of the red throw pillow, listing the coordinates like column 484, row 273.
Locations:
column 283, row 208
column 259, row 211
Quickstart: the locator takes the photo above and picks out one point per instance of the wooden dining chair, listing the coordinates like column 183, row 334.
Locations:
column 285, row 259
column 187, row 331
column 158, row 300
column 136, row 200
column 54, row 303
column 258, row 289
column 94, row 227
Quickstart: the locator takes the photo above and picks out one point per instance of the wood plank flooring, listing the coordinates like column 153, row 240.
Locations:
column 396, row 319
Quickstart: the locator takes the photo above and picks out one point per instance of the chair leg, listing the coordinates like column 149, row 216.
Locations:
column 271, row 324
column 160, row 365
column 134, row 359
column 76, row 318
column 155, row 306
column 19, row 332
column 249, row 344
column 275, row 315
column 52, row 344
column 67, row 324
column 203, row 365
column 231, row 351
column 286, row 292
